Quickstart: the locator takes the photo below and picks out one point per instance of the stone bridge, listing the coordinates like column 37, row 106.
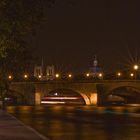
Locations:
column 127, row 90
column 93, row 92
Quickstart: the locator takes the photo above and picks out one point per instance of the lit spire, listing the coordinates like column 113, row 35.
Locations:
column 95, row 62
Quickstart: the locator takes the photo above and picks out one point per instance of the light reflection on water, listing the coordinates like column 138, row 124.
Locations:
column 81, row 122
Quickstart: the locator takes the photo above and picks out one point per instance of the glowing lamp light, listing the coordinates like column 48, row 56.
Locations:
column 119, row 74
column 132, row 74
column 57, row 75
column 25, row 76
column 87, row 74
column 39, row 76
column 136, row 67
column 69, row 75
column 9, row 77
column 100, row 75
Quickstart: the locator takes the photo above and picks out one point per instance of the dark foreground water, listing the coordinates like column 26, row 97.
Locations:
column 81, row 123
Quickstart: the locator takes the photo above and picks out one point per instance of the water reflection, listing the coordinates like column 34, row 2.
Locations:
column 83, row 122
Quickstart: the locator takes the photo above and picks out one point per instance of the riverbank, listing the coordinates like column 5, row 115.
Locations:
column 13, row 129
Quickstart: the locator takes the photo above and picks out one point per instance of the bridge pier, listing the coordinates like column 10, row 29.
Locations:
column 93, row 99
column 37, row 98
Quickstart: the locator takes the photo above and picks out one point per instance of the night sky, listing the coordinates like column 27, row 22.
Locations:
column 76, row 30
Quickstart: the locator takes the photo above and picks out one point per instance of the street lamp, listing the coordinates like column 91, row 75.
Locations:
column 87, row 75
column 131, row 74
column 39, row 76
column 10, row 77
column 70, row 75
column 57, row 75
column 119, row 74
column 100, row 75
column 25, row 76
column 136, row 67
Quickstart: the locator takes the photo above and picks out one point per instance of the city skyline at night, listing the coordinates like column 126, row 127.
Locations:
column 69, row 70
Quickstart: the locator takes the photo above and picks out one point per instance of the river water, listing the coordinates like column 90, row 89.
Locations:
column 81, row 122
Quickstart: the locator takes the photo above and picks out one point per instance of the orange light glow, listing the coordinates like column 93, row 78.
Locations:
column 119, row 74
column 25, row 76
column 70, row 75
column 132, row 74
column 57, row 75
column 9, row 77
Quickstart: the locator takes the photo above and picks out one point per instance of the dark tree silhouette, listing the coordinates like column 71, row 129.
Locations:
column 18, row 18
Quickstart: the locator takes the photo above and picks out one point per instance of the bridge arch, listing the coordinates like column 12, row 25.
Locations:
column 69, row 93
column 129, row 94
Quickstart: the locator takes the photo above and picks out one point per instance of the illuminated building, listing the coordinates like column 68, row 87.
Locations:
column 39, row 71
column 50, row 73
column 44, row 73
column 95, row 70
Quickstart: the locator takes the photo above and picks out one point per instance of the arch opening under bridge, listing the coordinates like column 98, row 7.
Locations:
column 124, row 94
column 65, row 96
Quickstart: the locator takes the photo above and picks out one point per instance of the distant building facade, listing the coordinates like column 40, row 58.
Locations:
column 50, row 73
column 44, row 73
column 95, row 70
column 38, row 71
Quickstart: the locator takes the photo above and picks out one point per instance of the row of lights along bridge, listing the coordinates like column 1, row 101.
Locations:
column 87, row 75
